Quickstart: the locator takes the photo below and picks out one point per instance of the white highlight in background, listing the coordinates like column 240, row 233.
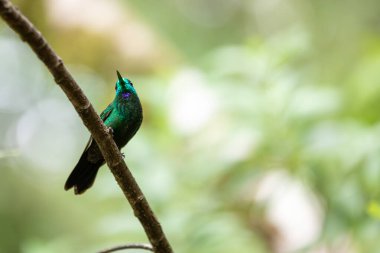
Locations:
column 292, row 208
column 191, row 104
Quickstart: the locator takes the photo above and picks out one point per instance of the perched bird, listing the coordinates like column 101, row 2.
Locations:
column 123, row 117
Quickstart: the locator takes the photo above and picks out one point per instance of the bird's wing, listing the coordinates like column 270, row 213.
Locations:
column 104, row 115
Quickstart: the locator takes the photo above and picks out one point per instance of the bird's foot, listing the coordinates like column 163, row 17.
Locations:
column 110, row 131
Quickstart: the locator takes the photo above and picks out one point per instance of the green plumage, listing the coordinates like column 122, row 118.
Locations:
column 124, row 117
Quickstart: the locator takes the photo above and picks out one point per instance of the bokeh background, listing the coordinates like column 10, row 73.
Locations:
column 261, row 130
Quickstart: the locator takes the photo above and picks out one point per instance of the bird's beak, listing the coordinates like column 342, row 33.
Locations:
column 119, row 76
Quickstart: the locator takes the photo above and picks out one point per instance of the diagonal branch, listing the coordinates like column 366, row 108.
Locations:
column 28, row 33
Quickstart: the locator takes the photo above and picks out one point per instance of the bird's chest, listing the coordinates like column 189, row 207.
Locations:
column 124, row 121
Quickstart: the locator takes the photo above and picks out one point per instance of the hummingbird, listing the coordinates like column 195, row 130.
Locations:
column 123, row 117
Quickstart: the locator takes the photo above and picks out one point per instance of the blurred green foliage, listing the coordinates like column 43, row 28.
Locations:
column 260, row 131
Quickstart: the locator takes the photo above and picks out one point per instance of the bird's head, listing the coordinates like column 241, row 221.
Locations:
column 124, row 87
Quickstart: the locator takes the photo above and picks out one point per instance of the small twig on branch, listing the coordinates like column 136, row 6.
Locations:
column 28, row 33
column 128, row 246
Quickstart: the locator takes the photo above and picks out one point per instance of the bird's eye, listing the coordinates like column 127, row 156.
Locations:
column 115, row 87
column 131, row 83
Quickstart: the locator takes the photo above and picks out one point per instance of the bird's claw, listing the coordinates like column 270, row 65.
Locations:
column 110, row 131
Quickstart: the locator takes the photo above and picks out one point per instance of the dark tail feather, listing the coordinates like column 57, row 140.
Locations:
column 83, row 175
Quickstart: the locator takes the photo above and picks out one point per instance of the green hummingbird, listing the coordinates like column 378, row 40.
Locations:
column 123, row 116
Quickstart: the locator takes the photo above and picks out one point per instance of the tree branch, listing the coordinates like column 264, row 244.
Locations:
column 28, row 33
column 128, row 246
